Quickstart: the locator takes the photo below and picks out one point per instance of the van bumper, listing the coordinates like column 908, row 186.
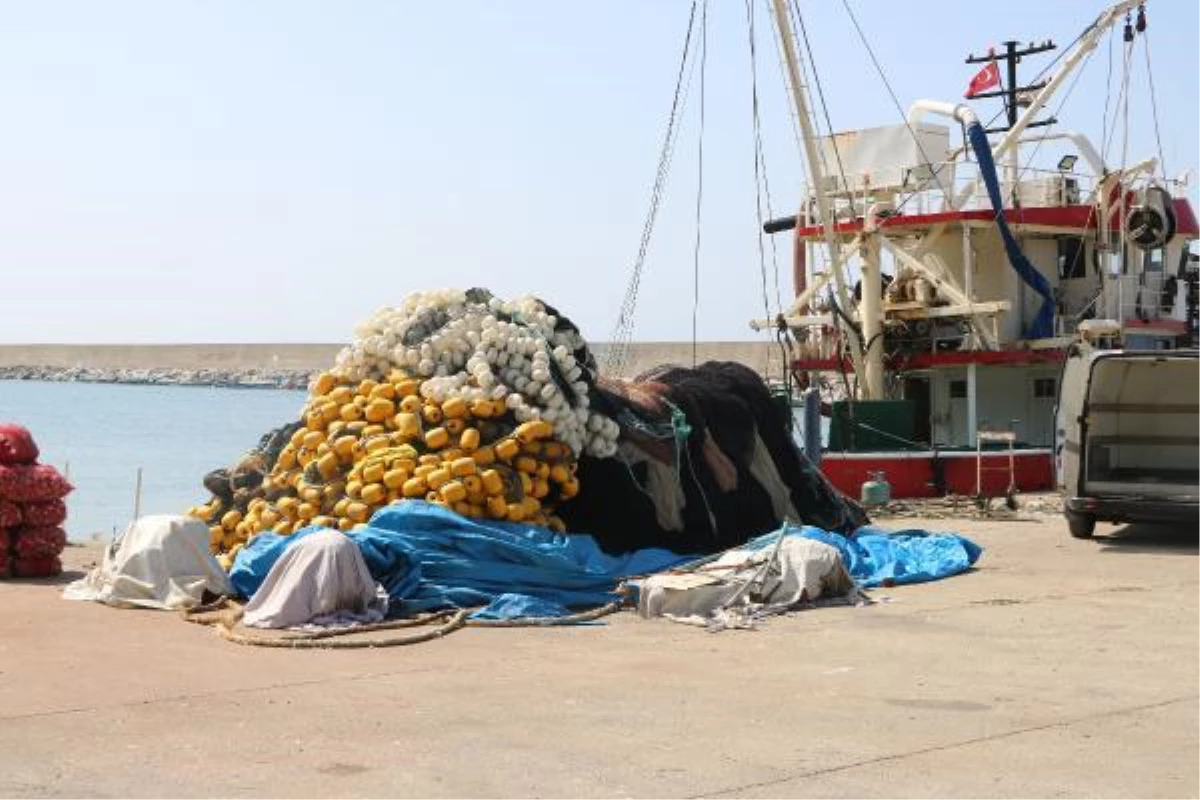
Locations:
column 1127, row 509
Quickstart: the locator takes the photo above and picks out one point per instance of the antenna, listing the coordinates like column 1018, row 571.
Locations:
column 1012, row 93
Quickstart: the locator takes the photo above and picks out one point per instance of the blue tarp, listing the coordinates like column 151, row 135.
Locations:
column 875, row 557
column 429, row 558
column 1043, row 324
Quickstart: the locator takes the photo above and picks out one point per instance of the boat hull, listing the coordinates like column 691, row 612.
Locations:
column 912, row 474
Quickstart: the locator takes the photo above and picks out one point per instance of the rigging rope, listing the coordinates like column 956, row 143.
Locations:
column 761, row 188
column 1129, row 43
column 1154, row 105
column 799, row 18
column 1057, row 111
column 843, row 296
column 1107, row 98
column 617, row 355
column 895, row 101
column 783, row 79
column 1122, row 106
column 700, row 178
column 758, row 166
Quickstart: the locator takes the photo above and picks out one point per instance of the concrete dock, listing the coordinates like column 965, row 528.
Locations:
column 1056, row 668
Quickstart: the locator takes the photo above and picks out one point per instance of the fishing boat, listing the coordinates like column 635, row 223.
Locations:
column 942, row 271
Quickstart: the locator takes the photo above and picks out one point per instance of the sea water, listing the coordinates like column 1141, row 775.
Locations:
column 101, row 435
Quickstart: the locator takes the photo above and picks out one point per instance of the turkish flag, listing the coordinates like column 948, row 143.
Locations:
column 985, row 79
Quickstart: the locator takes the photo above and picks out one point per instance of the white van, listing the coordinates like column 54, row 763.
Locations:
column 1127, row 436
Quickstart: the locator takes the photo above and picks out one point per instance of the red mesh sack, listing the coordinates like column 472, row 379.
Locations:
column 4, row 563
column 40, row 542
column 16, row 445
column 37, row 567
column 32, row 483
column 10, row 514
column 49, row 514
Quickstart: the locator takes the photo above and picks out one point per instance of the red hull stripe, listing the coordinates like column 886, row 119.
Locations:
column 952, row 358
column 1080, row 218
column 911, row 474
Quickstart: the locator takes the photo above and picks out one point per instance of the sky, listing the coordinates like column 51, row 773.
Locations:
column 218, row 171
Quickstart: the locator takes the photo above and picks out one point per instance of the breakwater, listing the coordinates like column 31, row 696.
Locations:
column 285, row 366
column 162, row 376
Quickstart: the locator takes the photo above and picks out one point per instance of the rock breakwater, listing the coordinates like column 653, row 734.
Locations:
column 163, row 376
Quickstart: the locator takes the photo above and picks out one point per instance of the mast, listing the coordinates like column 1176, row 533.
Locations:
column 817, row 179
column 1085, row 44
column 872, row 316
column 1012, row 97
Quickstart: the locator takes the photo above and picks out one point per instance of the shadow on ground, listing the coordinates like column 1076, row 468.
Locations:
column 61, row 579
column 1145, row 537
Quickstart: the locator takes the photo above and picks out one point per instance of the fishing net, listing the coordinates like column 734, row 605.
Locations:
column 712, row 443
column 495, row 410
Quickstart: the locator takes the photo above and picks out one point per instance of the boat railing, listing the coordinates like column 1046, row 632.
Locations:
column 928, row 189
column 1141, row 297
column 1147, row 296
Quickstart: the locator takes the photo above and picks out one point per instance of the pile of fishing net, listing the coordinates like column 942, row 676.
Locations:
column 32, row 508
column 456, row 397
column 495, row 410
column 706, row 460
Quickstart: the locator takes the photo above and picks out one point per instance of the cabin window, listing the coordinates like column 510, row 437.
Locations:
column 958, row 389
column 1152, row 260
column 1043, row 387
column 1071, row 261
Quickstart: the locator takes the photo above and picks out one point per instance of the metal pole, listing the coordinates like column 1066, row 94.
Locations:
column 1012, row 466
column 1123, row 207
column 137, row 496
column 972, row 409
column 799, row 97
column 968, row 264
column 815, row 171
column 978, row 467
column 1014, row 164
column 812, row 426
column 872, row 318
column 1104, row 244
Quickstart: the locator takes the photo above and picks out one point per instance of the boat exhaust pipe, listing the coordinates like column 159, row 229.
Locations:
column 958, row 111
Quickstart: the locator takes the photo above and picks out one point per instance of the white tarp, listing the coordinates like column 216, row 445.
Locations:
column 744, row 585
column 320, row 580
column 159, row 562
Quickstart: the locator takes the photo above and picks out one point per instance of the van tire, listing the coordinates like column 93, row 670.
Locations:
column 1081, row 526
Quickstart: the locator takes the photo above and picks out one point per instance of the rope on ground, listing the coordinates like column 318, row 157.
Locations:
column 321, row 640
column 223, row 608
column 224, row 615
column 547, row 622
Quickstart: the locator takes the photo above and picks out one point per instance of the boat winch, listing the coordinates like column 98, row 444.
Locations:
column 1151, row 220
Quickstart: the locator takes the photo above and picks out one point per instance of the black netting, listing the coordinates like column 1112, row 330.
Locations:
column 666, row 415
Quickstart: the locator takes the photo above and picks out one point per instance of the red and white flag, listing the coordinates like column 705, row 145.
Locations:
column 985, row 79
